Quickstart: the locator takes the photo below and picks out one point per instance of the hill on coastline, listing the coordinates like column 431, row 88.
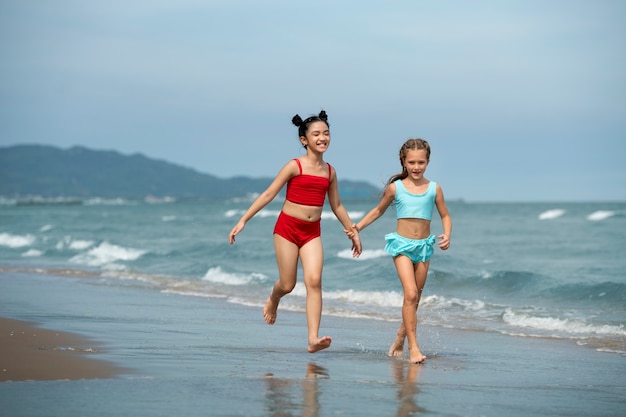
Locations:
column 79, row 172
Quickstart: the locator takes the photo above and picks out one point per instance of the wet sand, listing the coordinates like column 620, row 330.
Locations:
column 30, row 353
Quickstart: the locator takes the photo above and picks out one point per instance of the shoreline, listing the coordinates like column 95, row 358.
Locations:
column 29, row 353
column 169, row 354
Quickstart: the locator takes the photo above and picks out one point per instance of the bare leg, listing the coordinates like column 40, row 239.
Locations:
column 421, row 273
column 312, row 257
column 271, row 304
column 398, row 345
column 287, row 260
column 413, row 278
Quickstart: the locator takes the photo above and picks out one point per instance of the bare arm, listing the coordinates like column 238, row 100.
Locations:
column 380, row 209
column 446, row 220
column 288, row 171
column 342, row 214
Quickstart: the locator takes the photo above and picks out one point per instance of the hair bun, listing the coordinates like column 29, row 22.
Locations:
column 296, row 120
column 323, row 116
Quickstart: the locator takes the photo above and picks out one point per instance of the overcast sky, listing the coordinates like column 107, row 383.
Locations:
column 520, row 100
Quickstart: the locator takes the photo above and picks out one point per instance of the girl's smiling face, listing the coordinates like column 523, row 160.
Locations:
column 415, row 163
column 317, row 137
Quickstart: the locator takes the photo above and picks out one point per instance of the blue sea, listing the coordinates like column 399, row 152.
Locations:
column 524, row 270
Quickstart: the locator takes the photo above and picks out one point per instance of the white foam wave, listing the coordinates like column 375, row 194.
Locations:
column 365, row 255
column 328, row 214
column 107, row 254
column 16, row 241
column 551, row 214
column 268, row 213
column 218, row 276
column 376, row 298
column 233, row 213
column 32, row 253
column 168, row 218
column 150, row 199
column 7, row 201
column 435, row 302
column 392, row 299
column 76, row 245
column 569, row 326
column 262, row 213
column 80, row 244
column 97, row 201
column 600, row 215
column 45, row 228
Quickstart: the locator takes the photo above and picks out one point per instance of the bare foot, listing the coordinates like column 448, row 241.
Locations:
column 396, row 347
column 269, row 311
column 321, row 344
column 416, row 356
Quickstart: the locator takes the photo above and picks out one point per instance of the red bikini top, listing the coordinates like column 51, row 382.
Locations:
column 308, row 190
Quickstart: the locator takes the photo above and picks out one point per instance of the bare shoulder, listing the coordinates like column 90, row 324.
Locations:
column 288, row 171
column 390, row 192
column 332, row 170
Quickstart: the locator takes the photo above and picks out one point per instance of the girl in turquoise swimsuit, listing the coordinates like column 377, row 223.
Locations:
column 411, row 245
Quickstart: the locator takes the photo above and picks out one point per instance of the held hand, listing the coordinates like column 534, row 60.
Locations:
column 357, row 249
column 353, row 231
column 444, row 243
column 236, row 230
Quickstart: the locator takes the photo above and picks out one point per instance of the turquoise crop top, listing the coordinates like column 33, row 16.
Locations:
column 415, row 206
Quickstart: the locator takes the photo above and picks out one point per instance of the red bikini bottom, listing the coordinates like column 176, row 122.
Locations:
column 297, row 231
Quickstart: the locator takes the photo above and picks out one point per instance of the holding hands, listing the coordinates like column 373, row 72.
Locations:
column 353, row 235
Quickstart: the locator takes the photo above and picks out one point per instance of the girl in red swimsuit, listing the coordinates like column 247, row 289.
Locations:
column 297, row 232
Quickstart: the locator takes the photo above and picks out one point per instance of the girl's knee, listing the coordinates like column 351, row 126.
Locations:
column 313, row 283
column 411, row 297
column 285, row 288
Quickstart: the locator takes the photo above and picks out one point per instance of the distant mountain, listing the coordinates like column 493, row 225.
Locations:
column 78, row 172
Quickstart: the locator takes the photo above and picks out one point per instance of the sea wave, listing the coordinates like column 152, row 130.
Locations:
column 32, row 253
column 551, row 214
column 97, row 201
column 370, row 298
column 600, row 215
column 560, row 325
column 107, row 254
column 612, row 293
column 500, row 281
column 218, row 276
column 16, row 241
column 262, row 213
column 365, row 255
column 74, row 244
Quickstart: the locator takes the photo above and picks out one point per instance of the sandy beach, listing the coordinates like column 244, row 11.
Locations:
column 30, row 353
column 138, row 352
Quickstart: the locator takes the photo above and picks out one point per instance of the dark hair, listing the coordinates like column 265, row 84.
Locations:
column 410, row 145
column 303, row 125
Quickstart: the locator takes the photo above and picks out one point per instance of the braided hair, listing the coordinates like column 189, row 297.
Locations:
column 410, row 145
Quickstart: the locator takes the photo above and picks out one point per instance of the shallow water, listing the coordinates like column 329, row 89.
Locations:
column 524, row 270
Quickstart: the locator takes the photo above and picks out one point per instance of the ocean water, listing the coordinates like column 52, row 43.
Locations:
column 525, row 270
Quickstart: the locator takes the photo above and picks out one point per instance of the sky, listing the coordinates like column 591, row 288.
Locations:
column 519, row 100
